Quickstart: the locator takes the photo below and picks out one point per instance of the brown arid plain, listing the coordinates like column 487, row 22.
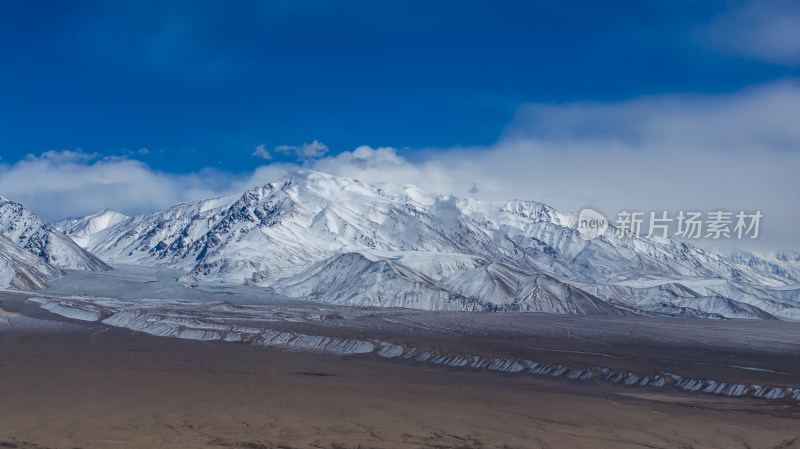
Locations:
column 66, row 384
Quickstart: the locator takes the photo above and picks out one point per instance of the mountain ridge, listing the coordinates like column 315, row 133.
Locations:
column 273, row 234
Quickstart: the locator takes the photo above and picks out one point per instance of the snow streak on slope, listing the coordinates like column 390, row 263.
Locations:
column 784, row 264
column 82, row 229
column 339, row 240
column 43, row 240
column 21, row 270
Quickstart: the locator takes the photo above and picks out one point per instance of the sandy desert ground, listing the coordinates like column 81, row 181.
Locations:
column 69, row 384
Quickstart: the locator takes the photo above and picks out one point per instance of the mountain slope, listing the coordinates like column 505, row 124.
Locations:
column 357, row 280
column 43, row 240
column 20, row 270
column 437, row 282
column 162, row 237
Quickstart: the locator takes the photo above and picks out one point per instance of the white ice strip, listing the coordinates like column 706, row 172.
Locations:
column 775, row 393
column 389, row 350
column 615, row 377
column 68, row 310
column 714, row 387
column 632, row 379
column 173, row 324
column 478, row 362
column 409, row 353
column 424, row 356
column 506, row 365
column 317, row 343
column 543, row 369
column 736, row 390
column 194, row 334
column 180, row 319
column 574, row 374
column 658, row 381
column 72, row 312
column 450, row 360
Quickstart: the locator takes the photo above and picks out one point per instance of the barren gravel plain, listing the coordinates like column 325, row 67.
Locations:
column 67, row 383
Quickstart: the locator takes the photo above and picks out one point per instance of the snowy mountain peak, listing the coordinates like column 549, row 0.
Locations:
column 535, row 211
column 332, row 188
column 81, row 228
column 43, row 240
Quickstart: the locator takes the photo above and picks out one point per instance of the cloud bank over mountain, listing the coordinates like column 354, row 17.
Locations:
column 668, row 152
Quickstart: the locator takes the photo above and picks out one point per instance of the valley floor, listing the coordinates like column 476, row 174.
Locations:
column 72, row 384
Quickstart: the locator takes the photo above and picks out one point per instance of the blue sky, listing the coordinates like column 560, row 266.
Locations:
column 100, row 101
column 209, row 81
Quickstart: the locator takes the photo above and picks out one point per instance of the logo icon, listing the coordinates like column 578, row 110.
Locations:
column 591, row 224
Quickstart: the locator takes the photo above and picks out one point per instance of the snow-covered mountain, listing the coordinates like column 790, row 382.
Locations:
column 43, row 240
column 784, row 264
column 339, row 240
column 21, row 270
column 81, row 229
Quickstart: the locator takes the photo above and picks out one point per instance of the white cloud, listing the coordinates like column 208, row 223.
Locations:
column 65, row 156
column 765, row 30
column 755, row 118
column 733, row 151
column 57, row 184
column 311, row 150
column 143, row 151
column 261, row 151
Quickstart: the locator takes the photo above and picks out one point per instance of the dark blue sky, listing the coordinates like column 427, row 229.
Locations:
column 206, row 82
